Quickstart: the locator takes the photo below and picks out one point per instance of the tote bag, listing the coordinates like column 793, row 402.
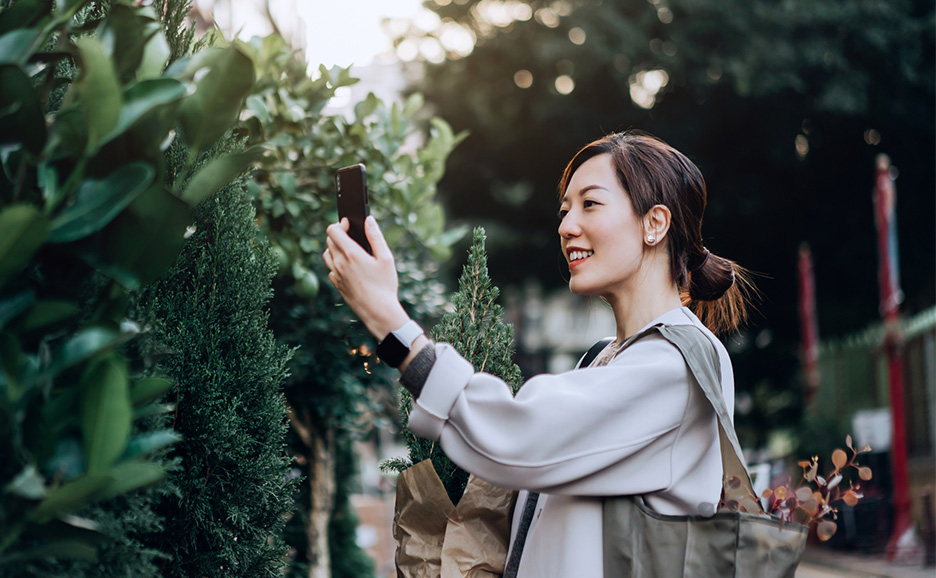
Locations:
column 640, row 543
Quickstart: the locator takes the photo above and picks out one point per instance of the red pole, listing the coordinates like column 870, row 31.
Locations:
column 809, row 327
column 885, row 198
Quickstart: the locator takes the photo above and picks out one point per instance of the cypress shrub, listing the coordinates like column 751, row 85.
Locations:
column 209, row 313
column 475, row 328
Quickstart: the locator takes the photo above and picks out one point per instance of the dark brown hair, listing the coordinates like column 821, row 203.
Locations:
column 654, row 173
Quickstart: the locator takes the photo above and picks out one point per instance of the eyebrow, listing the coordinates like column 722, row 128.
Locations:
column 582, row 191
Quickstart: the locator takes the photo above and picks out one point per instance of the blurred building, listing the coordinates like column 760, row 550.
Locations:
column 853, row 398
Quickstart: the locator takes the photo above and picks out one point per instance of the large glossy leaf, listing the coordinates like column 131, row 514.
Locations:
column 150, row 442
column 23, row 14
column 216, row 104
column 25, row 123
column 72, row 549
column 49, row 313
column 27, row 484
column 125, row 35
column 83, row 345
column 12, row 307
column 70, row 496
column 106, row 413
column 16, row 46
column 142, row 98
column 24, row 229
column 99, row 201
column 218, row 173
column 155, row 55
column 149, row 389
column 97, row 91
column 133, row 475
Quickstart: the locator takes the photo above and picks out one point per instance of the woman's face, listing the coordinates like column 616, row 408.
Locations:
column 601, row 236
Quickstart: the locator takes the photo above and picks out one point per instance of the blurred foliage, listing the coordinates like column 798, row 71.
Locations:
column 783, row 105
column 337, row 388
column 475, row 328
column 91, row 212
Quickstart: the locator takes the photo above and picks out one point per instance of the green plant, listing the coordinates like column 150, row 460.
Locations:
column 210, row 327
column 90, row 212
column 475, row 329
column 337, row 389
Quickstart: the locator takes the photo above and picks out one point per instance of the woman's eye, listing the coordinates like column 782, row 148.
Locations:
column 562, row 213
column 589, row 203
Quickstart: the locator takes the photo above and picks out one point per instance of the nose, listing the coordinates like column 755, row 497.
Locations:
column 569, row 227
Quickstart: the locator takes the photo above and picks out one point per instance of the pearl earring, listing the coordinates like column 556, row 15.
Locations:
column 651, row 239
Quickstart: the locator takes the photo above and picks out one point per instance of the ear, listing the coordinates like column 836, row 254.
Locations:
column 657, row 223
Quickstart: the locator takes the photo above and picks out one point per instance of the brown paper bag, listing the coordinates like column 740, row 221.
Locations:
column 420, row 515
column 477, row 536
column 437, row 540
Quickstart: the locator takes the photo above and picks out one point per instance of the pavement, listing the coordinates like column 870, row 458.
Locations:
column 819, row 562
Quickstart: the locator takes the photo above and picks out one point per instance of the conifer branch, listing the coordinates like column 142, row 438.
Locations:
column 476, row 330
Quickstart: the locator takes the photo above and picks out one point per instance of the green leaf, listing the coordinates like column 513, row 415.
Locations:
column 99, row 201
column 27, row 484
column 70, row 496
column 27, row 123
column 125, row 35
column 71, row 549
column 150, row 442
column 133, row 475
column 97, row 91
column 366, row 107
column 23, row 14
column 83, row 345
column 142, row 98
column 217, row 174
column 12, row 307
column 256, row 105
column 106, row 413
column 216, row 104
column 47, row 313
column 155, row 55
column 24, row 229
column 17, row 46
column 149, row 389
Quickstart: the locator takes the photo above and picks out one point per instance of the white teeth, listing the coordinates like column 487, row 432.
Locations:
column 576, row 255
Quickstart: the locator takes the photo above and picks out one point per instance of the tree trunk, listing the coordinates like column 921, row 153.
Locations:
column 320, row 445
column 321, row 499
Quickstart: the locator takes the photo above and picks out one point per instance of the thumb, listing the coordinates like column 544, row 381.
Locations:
column 376, row 239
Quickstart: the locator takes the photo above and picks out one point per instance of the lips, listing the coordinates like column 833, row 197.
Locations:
column 578, row 256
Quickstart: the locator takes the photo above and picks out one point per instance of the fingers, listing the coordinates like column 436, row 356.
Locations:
column 376, row 239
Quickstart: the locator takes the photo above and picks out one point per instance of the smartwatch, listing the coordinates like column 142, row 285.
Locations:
column 396, row 346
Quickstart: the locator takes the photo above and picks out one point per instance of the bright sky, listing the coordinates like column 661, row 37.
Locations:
column 349, row 31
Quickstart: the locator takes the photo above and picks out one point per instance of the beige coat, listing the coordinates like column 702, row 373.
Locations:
column 640, row 425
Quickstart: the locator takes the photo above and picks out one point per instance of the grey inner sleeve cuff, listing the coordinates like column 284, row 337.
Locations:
column 417, row 372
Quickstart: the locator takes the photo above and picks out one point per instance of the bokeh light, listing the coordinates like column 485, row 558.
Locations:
column 523, row 78
column 645, row 85
column 577, row 36
column 565, row 84
column 872, row 137
column 802, row 146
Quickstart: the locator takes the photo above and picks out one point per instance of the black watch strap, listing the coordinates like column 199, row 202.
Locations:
column 396, row 346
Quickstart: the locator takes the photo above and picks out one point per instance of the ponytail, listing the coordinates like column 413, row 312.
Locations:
column 719, row 292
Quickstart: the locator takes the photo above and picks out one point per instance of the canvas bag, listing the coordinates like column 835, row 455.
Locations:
column 640, row 543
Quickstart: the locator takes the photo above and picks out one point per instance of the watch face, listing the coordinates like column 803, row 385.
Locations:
column 392, row 351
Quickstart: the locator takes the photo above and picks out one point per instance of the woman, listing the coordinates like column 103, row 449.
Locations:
column 634, row 422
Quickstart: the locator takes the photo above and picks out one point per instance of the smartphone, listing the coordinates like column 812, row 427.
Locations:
column 352, row 201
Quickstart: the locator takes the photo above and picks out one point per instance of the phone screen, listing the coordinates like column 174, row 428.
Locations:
column 351, row 186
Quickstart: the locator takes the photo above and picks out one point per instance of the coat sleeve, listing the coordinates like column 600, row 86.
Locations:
column 597, row 431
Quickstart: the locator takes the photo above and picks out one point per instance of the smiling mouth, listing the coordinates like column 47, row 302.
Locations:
column 578, row 257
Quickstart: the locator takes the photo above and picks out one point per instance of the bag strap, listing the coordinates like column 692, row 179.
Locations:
column 592, row 353
column 702, row 359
